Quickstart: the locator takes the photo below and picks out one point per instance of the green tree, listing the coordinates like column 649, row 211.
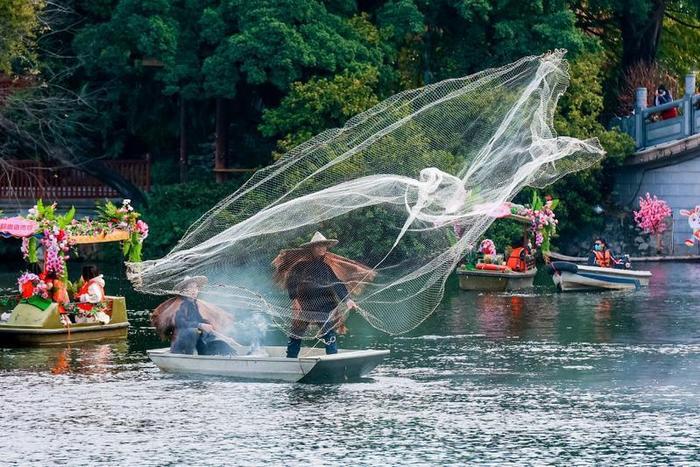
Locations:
column 578, row 115
column 633, row 28
column 19, row 25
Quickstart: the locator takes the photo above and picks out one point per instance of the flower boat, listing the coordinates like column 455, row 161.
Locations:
column 491, row 273
column 44, row 313
column 30, row 325
column 312, row 366
column 496, row 281
column 574, row 277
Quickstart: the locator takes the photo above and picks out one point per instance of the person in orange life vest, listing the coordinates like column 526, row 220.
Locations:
column 601, row 256
column 92, row 292
column 517, row 259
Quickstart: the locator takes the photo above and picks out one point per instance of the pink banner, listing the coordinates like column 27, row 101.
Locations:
column 18, row 227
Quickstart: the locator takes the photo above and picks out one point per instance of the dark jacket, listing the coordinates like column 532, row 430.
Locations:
column 188, row 315
column 316, row 286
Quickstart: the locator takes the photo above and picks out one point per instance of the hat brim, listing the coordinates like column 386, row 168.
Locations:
column 200, row 281
column 327, row 243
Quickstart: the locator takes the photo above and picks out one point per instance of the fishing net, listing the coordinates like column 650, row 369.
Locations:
column 389, row 186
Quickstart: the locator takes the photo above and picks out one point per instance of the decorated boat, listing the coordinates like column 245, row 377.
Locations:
column 497, row 281
column 574, row 277
column 49, row 308
column 491, row 272
column 312, row 366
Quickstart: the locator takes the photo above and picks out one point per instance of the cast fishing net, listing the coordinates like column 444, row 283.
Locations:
column 390, row 186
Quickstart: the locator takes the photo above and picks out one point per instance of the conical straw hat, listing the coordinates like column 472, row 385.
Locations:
column 200, row 281
column 319, row 239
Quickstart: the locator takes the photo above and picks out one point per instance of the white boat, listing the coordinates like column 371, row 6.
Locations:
column 573, row 277
column 312, row 366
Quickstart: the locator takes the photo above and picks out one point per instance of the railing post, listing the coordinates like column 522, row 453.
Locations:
column 640, row 104
column 688, row 117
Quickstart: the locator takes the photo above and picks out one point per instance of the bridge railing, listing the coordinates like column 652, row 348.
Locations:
column 648, row 131
column 25, row 179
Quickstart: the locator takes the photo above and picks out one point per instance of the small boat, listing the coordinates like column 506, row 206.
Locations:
column 36, row 319
column 498, row 281
column 572, row 277
column 313, row 365
column 30, row 325
column 499, row 277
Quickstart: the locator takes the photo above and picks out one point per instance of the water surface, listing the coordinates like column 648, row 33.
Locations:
column 578, row 378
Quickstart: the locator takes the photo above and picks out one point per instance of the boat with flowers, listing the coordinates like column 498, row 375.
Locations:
column 49, row 308
column 516, row 269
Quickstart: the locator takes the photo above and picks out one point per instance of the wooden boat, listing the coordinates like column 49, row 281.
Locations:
column 39, row 322
column 573, row 277
column 30, row 325
column 312, row 366
column 498, row 281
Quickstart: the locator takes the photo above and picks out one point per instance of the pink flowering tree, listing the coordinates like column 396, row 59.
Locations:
column 651, row 217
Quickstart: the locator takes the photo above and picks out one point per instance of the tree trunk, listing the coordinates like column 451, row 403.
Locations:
column 221, row 140
column 641, row 35
column 183, row 143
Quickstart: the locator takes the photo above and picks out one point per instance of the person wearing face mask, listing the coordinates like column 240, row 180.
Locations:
column 601, row 256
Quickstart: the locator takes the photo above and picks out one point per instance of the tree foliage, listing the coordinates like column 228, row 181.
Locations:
column 148, row 71
column 19, row 25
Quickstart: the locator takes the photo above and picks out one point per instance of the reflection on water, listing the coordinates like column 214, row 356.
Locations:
column 502, row 378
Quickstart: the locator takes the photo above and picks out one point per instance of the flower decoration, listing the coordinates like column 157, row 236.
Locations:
column 652, row 215
column 32, row 285
column 543, row 221
column 55, row 234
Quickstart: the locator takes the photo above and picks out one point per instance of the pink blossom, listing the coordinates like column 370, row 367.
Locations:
column 652, row 214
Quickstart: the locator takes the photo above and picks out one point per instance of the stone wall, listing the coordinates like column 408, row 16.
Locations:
column 678, row 184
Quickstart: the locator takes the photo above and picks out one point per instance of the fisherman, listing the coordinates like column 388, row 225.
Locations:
column 601, row 256
column 317, row 282
column 192, row 324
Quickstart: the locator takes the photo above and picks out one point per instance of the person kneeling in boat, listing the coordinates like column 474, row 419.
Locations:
column 91, row 294
column 602, row 257
column 192, row 324
column 317, row 282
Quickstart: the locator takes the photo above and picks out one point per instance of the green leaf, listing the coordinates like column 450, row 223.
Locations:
column 31, row 251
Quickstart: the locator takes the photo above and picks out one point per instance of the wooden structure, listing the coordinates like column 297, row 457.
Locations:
column 25, row 179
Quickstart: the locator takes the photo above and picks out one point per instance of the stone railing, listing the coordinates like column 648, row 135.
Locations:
column 649, row 131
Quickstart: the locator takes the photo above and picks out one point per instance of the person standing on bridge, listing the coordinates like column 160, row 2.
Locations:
column 663, row 96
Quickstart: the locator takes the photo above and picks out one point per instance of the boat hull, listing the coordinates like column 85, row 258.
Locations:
column 19, row 337
column 495, row 280
column 569, row 277
column 313, row 366
column 31, row 326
